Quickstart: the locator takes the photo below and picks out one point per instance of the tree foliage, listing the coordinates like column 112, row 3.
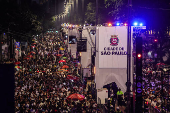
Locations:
column 24, row 20
column 117, row 9
column 76, row 18
column 91, row 13
column 19, row 20
column 48, row 22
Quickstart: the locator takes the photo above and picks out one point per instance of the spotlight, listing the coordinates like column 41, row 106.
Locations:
column 117, row 24
column 109, row 24
column 135, row 24
column 125, row 24
column 155, row 40
column 139, row 56
column 141, row 24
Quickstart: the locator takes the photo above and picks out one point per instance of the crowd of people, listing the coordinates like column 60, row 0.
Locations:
column 43, row 86
column 39, row 85
column 155, row 88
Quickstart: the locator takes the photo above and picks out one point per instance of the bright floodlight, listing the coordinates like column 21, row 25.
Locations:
column 117, row 24
column 155, row 40
column 125, row 24
column 141, row 24
column 109, row 24
column 139, row 55
column 135, row 24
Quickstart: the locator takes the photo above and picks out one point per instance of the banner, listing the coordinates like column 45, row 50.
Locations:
column 113, row 47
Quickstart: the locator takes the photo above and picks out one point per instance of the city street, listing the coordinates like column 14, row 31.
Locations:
column 84, row 56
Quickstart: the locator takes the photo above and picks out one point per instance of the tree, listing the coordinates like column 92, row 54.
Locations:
column 91, row 13
column 25, row 19
column 117, row 9
column 77, row 18
column 48, row 22
column 18, row 20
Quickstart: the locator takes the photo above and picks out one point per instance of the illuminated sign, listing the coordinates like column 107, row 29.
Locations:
column 113, row 47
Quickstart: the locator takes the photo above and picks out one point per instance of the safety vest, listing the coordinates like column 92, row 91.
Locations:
column 119, row 93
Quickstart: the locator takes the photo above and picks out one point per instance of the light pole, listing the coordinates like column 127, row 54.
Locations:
column 129, row 55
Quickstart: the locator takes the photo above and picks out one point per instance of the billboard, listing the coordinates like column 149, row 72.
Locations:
column 113, row 47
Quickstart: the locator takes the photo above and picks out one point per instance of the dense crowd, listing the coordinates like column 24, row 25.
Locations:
column 40, row 88
column 156, row 85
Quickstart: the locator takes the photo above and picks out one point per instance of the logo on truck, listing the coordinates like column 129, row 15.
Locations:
column 114, row 40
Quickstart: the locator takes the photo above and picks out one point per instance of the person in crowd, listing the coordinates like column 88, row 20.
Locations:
column 118, row 110
column 39, row 89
